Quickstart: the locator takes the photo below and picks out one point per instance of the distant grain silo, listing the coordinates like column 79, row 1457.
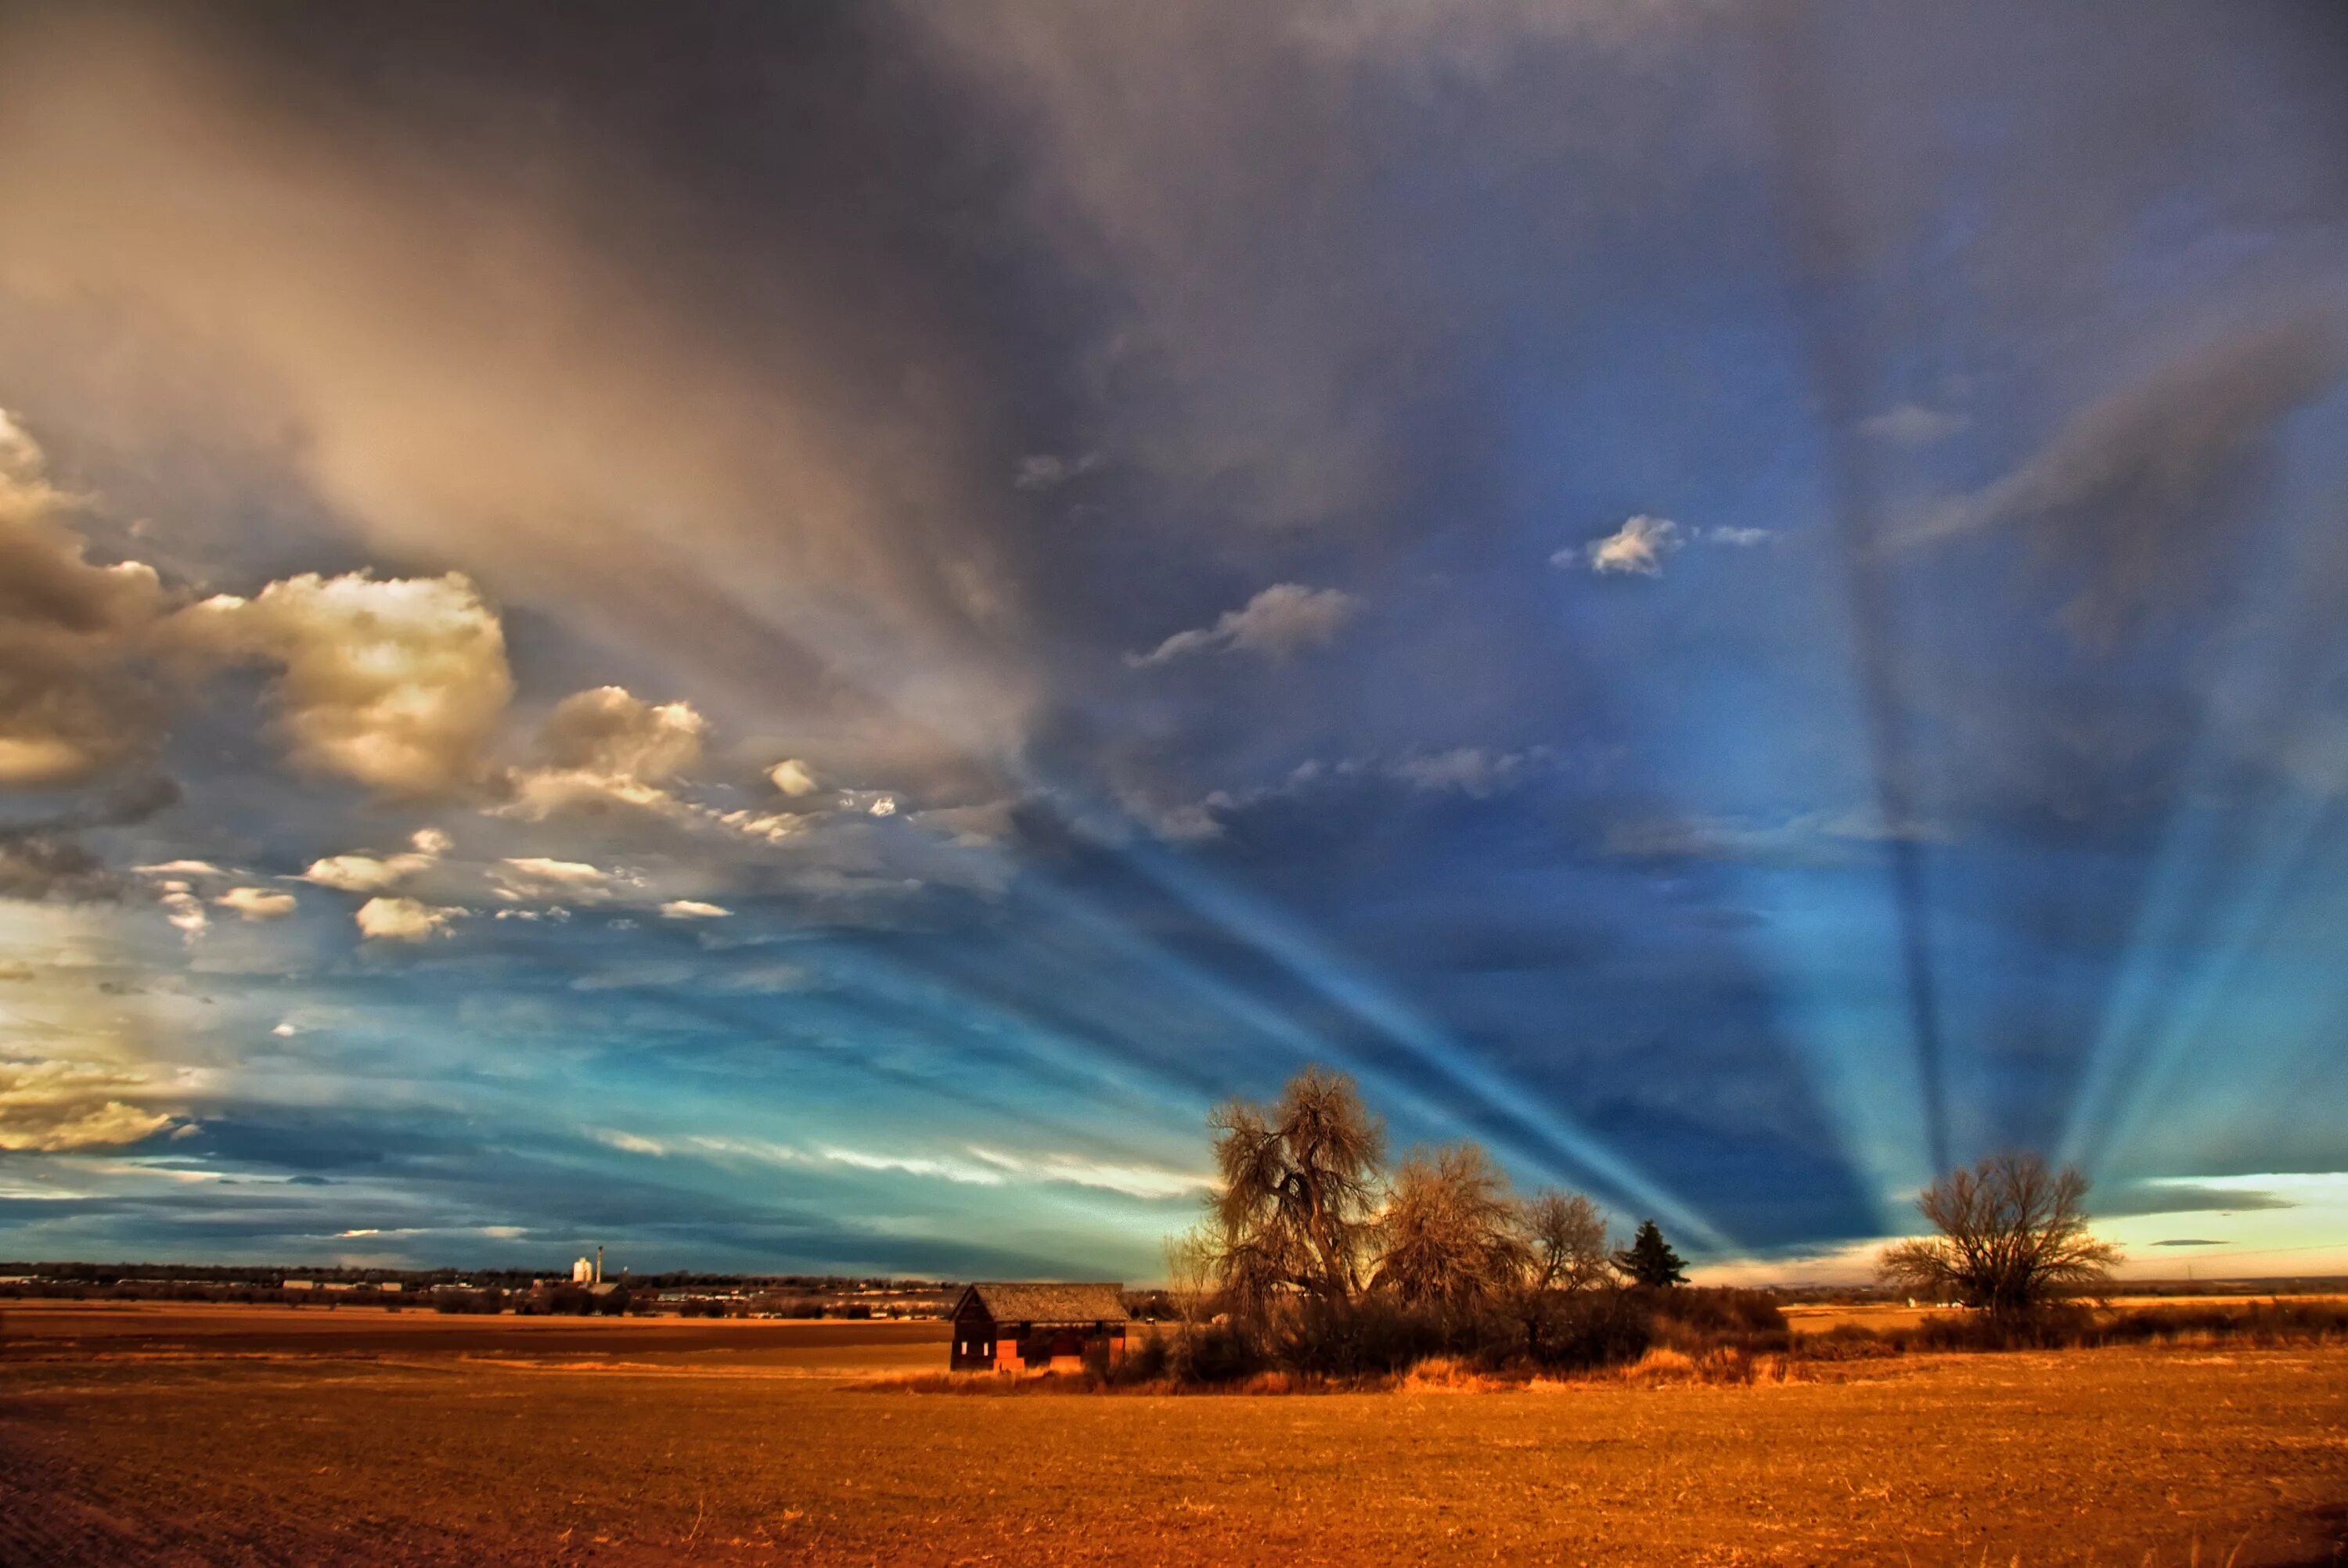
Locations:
column 582, row 1273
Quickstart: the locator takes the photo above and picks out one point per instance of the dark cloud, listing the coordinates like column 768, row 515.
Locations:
column 726, row 460
column 2183, row 1197
column 44, row 858
column 2144, row 501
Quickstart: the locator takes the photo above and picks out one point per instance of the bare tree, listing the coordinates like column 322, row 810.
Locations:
column 2012, row 1238
column 1565, row 1234
column 1450, row 1236
column 1190, row 1279
column 1300, row 1185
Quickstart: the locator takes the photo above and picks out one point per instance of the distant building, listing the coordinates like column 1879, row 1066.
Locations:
column 1013, row 1327
column 583, row 1272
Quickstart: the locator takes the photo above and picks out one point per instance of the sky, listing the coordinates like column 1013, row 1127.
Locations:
column 787, row 638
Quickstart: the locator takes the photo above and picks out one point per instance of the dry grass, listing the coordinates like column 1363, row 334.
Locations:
column 338, row 1448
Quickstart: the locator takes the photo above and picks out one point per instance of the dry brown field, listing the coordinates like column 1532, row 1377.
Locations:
column 1884, row 1316
column 188, row 1435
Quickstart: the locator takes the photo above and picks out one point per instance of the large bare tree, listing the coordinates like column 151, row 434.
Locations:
column 1450, row 1236
column 2013, row 1237
column 1300, row 1181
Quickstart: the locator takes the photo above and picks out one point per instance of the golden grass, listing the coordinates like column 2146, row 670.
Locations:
column 313, row 1451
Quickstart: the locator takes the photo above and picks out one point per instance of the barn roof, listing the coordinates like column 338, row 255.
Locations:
column 1011, row 1302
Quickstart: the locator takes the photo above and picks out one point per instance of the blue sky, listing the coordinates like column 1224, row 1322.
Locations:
column 787, row 640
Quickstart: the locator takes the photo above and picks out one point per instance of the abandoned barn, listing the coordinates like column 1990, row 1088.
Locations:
column 1013, row 1327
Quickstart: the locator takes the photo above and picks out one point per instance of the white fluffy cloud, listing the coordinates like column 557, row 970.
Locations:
column 401, row 920
column 1639, row 545
column 395, row 684
column 257, row 903
column 693, row 909
column 1281, row 619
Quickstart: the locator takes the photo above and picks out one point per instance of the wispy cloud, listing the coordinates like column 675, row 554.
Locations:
column 1044, row 471
column 1280, row 621
column 1913, row 424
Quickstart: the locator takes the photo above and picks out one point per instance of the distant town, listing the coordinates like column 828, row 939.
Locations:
column 584, row 1288
column 581, row 1288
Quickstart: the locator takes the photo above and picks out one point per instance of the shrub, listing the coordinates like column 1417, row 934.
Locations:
column 1599, row 1328
column 1369, row 1336
column 1846, row 1342
column 483, row 1302
column 1216, row 1353
column 1699, row 1319
column 2051, row 1327
column 1445, row 1375
column 1148, row 1359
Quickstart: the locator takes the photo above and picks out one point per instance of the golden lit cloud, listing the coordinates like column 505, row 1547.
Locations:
column 257, row 903
column 50, row 1107
column 395, row 684
column 70, row 705
column 401, row 920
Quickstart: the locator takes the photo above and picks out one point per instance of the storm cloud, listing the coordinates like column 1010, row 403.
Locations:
column 795, row 634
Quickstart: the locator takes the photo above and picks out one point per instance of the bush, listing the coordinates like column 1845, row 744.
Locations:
column 483, row 1302
column 1370, row 1336
column 1149, row 1359
column 1216, row 1353
column 1846, row 1342
column 2259, row 1322
column 2053, row 1327
column 1699, row 1319
column 1596, row 1328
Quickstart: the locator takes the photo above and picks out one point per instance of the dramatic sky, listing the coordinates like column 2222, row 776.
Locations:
column 786, row 637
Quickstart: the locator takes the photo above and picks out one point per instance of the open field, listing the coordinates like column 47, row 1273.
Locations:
column 204, row 1435
column 1889, row 1318
column 176, row 1331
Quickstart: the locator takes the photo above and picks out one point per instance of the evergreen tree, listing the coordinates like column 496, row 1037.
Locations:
column 1649, row 1261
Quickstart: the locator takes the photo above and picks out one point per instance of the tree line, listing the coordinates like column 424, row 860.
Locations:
column 1314, row 1255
